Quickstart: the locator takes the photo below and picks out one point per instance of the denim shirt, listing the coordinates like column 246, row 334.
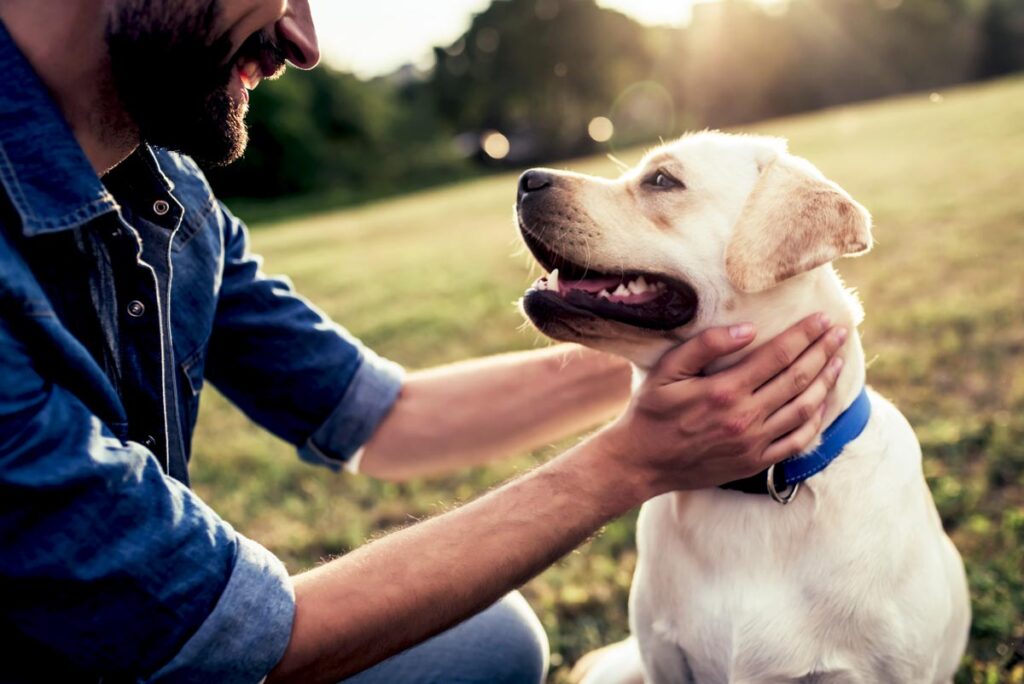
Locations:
column 119, row 298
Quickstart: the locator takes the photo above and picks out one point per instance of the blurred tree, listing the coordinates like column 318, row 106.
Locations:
column 539, row 71
column 324, row 129
column 1004, row 38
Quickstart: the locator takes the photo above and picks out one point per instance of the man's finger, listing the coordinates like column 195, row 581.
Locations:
column 693, row 356
column 795, row 442
column 803, row 408
column 789, row 384
column 775, row 356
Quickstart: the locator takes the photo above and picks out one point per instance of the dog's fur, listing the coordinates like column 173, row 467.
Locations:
column 855, row 581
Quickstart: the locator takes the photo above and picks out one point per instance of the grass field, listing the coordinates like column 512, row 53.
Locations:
column 431, row 278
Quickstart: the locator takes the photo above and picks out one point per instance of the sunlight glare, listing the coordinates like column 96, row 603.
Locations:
column 671, row 12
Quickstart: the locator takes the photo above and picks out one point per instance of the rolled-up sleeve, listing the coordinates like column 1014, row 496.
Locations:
column 289, row 367
column 113, row 567
column 227, row 647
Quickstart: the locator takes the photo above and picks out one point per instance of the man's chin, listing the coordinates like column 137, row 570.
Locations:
column 214, row 142
column 222, row 153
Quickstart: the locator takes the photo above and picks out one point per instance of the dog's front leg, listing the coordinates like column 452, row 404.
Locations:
column 665, row 662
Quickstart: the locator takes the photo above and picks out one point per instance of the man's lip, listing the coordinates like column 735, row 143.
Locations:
column 251, row 73
column 237, row 85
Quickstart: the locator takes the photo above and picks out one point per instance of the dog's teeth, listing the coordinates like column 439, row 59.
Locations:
column 604, row 294
column 553, row 280
column 638, row 286
column 621, row 291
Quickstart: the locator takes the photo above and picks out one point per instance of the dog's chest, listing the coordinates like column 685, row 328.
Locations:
column 738, row 607
column 747, row 588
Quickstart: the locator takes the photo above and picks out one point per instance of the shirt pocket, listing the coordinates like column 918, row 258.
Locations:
column 192, row 371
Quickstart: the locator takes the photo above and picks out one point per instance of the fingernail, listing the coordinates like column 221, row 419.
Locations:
column 835, row 366
column 741, row 332
column 841, row 335
column 824, row 322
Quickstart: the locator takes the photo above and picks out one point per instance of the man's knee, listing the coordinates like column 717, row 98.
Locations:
column 505, row 644
column 525, row 650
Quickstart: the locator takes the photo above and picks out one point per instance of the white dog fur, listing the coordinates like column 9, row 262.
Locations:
column 855, row 581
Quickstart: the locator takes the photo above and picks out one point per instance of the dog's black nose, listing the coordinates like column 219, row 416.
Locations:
column 534, row 181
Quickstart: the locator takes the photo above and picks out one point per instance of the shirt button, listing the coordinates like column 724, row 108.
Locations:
column 149, row 442
column 136, row 309
column 161, row 207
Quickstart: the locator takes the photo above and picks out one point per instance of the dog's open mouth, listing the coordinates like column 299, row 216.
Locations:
column 636, row 298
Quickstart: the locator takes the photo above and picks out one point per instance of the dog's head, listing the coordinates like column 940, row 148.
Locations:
column 703, row 232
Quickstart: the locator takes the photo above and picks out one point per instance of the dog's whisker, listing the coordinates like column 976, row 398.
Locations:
column 586, row 246
column 623, row 166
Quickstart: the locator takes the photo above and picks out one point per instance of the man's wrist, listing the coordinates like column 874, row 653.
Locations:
column 621, row 485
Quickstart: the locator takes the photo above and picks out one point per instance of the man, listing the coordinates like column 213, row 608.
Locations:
column 124, row 285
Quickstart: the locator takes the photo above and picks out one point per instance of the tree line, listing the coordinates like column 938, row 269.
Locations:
column 539, row 80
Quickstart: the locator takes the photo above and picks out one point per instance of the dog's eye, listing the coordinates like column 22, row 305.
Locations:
column 664, row 180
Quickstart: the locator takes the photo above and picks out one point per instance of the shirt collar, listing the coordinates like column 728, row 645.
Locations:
column 43, row 170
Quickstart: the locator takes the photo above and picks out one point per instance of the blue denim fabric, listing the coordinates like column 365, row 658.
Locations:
column 118, row 298
column 504, row 644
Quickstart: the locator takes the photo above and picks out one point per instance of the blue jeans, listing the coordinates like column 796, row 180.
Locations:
column 505, row 644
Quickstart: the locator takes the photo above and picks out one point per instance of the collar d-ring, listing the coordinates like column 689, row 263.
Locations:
column 784, row 497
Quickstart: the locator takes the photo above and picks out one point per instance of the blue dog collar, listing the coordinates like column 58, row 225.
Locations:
column 782, row 481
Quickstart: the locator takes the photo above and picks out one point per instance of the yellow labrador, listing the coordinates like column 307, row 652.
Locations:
column 854, row 580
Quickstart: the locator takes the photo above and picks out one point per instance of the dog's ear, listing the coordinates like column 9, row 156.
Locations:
column 794, row 220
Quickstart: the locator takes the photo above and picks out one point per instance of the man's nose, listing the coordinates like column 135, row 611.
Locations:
column 534, row 180
column 297, row 34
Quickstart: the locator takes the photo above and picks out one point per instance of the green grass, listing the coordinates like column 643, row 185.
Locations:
column 431, row 277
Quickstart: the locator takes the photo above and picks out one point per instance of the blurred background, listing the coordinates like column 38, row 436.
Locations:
column 416, row 94
column 383, row 184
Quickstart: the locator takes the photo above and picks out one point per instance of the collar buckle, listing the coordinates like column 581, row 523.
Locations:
column 786, row 496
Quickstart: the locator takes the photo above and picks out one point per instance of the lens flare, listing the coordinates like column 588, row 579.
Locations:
column 601, row 129
column 495, row 145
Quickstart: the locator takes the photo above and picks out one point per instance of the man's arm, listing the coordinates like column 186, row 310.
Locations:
column 682, row 431
column 110, row 569
column 471, row 412
column 304, row 378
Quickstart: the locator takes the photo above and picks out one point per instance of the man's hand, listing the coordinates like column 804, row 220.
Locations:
column 684, row 430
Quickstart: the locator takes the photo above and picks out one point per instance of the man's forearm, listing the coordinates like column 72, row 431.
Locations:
column 393, row 593
column 472, row 412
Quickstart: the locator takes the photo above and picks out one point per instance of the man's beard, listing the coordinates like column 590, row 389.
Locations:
column 172, row 76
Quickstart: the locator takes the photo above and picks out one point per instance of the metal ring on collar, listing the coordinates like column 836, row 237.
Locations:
column 784, row 497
